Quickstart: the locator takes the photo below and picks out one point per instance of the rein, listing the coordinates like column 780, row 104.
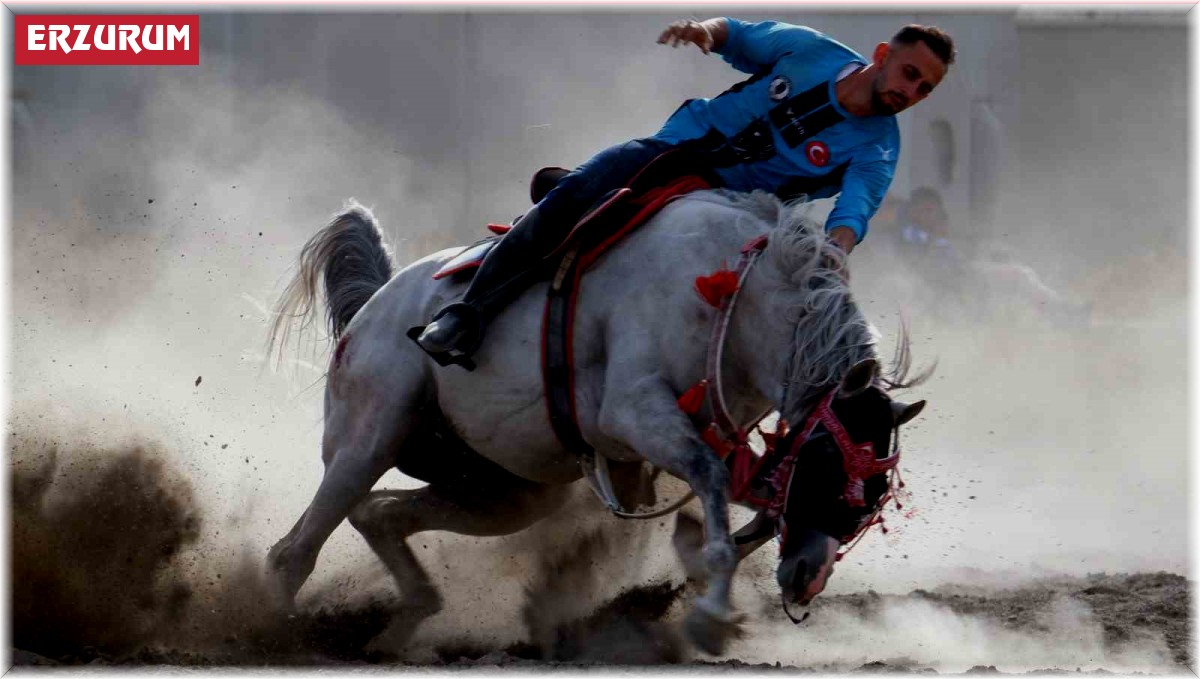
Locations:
column 725, row 437
column 716, row 344
column 720, row 290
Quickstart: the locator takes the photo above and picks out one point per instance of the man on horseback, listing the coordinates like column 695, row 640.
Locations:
column 815, row 119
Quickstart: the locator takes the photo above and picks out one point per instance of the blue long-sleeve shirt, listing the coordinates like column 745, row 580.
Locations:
column 783, row 129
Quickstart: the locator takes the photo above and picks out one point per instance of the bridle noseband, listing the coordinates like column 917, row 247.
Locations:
column 858, row 462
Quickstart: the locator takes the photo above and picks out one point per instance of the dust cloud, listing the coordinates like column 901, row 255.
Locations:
column 156, row 213
column 109, row 570
column 1047, row 626
column 95, row 552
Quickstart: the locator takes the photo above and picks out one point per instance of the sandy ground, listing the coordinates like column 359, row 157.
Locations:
column 104, row 575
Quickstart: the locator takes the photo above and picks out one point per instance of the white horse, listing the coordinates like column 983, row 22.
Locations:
column 483, row 440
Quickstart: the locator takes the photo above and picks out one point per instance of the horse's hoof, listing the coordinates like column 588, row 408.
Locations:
column 709, row 633
column 280, row 596
column 418, row 605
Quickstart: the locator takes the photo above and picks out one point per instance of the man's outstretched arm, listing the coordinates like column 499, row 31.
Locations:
column 707, row 35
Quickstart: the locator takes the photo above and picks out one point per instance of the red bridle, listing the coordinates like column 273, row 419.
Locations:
column 858, row 462
column 725, row 437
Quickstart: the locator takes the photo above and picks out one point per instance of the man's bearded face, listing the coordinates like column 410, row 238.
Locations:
column 907, row 75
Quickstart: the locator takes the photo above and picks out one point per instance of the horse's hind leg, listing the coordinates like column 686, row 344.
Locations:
column 387, row 518
column 363, row 432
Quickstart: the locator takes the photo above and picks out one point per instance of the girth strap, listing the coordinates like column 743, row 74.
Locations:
column 558, row 360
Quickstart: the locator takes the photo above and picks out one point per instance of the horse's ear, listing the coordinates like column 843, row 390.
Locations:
column 858, row 379
column 903, row 412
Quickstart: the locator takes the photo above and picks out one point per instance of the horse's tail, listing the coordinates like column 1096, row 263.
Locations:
column 350, row 256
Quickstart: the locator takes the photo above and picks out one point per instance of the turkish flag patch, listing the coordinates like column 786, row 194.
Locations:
column 817, row 153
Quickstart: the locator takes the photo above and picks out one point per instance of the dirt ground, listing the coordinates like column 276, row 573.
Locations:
column 98, row 580
column 629, row 631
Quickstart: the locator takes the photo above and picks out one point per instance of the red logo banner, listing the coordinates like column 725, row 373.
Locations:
column 106, row 40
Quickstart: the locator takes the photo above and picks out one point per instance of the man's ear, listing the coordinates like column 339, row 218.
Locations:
column 880, row 53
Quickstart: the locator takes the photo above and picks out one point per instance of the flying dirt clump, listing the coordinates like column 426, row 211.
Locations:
column 95, row 549
column 107, row 569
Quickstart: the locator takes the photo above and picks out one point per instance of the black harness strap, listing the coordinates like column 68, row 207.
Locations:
column 805, row 115
column 798, row 119
column 558, row 365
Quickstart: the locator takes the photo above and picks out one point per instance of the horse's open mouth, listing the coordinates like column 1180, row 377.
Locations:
column 804, row 613
column 813, row 568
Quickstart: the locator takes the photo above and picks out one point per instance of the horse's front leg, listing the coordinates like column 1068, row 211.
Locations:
column 688, row 541
column 642, row 414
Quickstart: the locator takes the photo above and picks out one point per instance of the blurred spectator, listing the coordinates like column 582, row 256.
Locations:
column 925, row 225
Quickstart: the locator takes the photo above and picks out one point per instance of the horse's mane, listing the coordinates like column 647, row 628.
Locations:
column 831, row 333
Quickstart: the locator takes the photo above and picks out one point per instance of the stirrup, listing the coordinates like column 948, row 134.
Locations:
column 457, row 355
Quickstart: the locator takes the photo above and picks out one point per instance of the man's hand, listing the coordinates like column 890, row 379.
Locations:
column 707, row 35
column 843, row 237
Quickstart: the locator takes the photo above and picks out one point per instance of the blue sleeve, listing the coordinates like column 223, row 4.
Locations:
column 752, row 47
column 863, row 188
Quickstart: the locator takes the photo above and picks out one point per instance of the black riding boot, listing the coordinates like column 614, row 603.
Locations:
column 457, row 329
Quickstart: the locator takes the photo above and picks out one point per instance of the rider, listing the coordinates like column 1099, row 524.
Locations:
column 814, row 119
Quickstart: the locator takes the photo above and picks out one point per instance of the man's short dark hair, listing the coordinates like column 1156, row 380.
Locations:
column 938, row 41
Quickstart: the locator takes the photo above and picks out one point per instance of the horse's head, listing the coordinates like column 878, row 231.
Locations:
column 843, row 456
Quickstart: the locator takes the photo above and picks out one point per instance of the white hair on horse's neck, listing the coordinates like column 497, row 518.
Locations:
column 830, row 332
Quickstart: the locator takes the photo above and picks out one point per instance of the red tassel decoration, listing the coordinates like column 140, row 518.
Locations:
column 692, row 399
column 715, row 287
